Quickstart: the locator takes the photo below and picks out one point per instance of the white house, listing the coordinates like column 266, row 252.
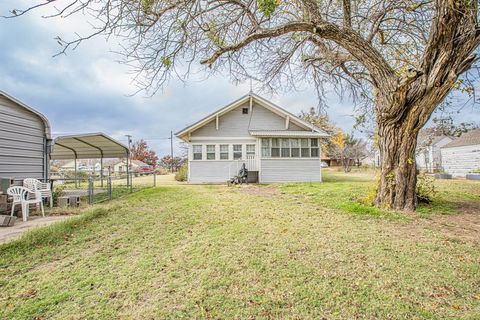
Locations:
column 428, row 155
column 270, row 141
column 135, row 166
column 462, row 155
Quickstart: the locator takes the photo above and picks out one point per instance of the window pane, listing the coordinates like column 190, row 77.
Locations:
column 224, row 148
column 275, row 152
column 197, row 152
column 265, row 142
column 210, row 152
column 305, row 152
column 304, row 142
column 210, row 148
column 294, row 143
column 250, row 151
column 237, row 151
column 285, row 143
column 295, row 152
column 314, row 142
column 314, row 152
column 275, row 142
column 265, row 151
column 285, row 152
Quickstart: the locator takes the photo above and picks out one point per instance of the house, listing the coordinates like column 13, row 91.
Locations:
column 428, row 155
column 24, row 140
column 274, row 145
column 135, row 166
column 462, row 155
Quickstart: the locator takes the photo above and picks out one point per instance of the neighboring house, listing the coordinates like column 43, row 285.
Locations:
column 428, row 155
column 24, row 140
column 135, row 166
column 275, row 145
column 462, row 155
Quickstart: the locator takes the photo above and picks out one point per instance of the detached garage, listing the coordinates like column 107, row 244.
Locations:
column 462, row 155
column 24, row 140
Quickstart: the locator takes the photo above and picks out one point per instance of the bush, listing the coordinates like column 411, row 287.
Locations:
column 425, row 189
column 182, row 173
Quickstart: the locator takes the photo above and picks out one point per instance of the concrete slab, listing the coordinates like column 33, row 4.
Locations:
column 8, row 234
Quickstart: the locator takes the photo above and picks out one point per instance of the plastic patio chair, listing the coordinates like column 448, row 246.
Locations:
column 37, row 185
column 25, row 197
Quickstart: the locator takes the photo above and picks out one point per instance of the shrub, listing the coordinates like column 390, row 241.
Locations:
column 182, row 173
column 425, row 189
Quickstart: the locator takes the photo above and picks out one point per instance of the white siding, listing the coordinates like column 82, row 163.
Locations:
column 458, row 161
column 236, row 124
column 22, row 142
column 290, row 170
column 213, row 171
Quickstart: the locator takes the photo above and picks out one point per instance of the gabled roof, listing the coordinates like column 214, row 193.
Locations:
column 23, row 105
column 264, row 102
column 467, row 139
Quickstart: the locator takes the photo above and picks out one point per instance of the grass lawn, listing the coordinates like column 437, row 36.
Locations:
column 296, row 251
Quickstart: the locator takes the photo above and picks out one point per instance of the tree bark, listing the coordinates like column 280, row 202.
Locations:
column 398, row 177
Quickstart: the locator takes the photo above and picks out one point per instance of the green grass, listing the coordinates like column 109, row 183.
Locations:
column 297, row 251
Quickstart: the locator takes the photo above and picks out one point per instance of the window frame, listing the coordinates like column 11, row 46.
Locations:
column 298, row 148
column 209, row 153
column 196, row 153
column 222, row 153
column 236, row 152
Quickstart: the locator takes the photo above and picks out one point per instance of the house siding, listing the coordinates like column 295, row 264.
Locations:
column 459, row 161
column 430, row 159
column 22, row 142
column 290, row 170
column 213, row 171
column 236, row 124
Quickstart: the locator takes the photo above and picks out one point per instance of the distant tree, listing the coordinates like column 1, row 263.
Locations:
column 140, row 151
column 167, row 163
column 348, row 150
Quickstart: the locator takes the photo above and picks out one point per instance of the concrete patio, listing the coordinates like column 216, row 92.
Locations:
column 8, row 234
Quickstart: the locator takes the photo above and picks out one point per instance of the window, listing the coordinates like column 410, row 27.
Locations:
column 305, row 148
column 290, row 148
column 285, row 148
column 210, row 152
column 295, row 148
column 237, row 151
column 224, row 152
column 275, row 147
column 197, row 152
column 245, row 111
column 266, row 148
column 314, row 148
column 250, row 151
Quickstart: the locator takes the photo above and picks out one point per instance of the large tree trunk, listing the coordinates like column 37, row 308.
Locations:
column 398, row 178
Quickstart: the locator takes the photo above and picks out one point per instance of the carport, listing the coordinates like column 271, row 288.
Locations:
column 88, row 146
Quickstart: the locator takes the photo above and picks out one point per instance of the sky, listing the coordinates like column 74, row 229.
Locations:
column 87, row 90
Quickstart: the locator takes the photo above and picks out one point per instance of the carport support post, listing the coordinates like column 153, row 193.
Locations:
column 75, row 165
column 101, row 171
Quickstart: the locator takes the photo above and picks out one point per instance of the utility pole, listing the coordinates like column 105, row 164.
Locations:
column 171, row 150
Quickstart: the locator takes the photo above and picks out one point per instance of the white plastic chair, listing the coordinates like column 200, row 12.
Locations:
column 25, row 197
column 37, row 185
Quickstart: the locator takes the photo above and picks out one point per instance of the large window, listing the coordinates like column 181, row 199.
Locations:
column 224, row 152
column 210, row 152
column 197, row 152
column 237, row 151
column 290, row 148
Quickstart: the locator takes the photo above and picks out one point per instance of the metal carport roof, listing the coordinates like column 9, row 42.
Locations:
column 87, row 146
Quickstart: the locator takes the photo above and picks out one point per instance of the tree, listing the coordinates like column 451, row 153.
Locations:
column 446, row 126
column 400, row 57
column 167, row 163
column 348, row 150
column 140, row 151
column 322, row 121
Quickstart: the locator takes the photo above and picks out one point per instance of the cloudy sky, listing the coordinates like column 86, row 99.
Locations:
column 88, row 91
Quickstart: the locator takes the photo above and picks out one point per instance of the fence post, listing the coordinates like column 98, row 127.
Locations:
column 90, row 191
column 131, row 182
column 109, row 186
column 154, row 179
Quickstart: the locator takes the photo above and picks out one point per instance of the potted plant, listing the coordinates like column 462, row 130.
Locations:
column 474, row 175
column 443, row 175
